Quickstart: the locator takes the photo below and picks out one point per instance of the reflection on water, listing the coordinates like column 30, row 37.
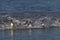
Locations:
column 30, row 34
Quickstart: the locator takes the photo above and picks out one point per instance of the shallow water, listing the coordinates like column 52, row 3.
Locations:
column 30, row 34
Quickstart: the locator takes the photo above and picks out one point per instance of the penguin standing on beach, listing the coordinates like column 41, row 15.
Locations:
column 11, row 24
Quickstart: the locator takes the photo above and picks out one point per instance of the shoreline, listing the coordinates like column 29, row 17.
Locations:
column 27, row 28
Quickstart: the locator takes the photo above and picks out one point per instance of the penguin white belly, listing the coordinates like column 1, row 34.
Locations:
column 30, row 25
column 11, row 25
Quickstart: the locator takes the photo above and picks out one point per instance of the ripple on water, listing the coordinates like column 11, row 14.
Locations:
column 30, row 34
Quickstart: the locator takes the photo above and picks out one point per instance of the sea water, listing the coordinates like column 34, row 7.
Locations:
column 31, row 34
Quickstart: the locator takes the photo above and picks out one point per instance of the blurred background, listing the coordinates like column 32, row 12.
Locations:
column 12, row 6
